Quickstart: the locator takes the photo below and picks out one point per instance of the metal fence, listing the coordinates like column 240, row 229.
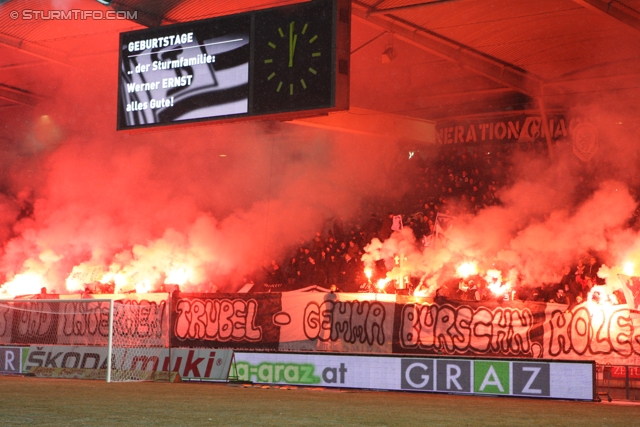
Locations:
column 619, row 382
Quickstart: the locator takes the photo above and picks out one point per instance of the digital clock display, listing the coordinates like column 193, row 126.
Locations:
column 270, row 62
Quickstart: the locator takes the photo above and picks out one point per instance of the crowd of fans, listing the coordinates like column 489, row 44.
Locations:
column 450, row 181
column 444, row 183
column 574, row 287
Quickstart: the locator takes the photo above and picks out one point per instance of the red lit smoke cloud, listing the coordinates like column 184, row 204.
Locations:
column 553, row 214
column 164, row 206
column 84, row 203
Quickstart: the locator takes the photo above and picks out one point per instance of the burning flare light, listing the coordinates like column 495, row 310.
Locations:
column 467, row 269
column 368, row 272
column 495, row 284
column 24, row 283
column 382, row 283
column 178, row 276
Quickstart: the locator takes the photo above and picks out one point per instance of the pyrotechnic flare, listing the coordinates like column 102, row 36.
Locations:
column 143, row 287
column 178, row 276
column 421, row 292
column 628, row 269
column 467, row 269
column 368, row 272
column 496, row 285
column 24, row 284
column 381, row 284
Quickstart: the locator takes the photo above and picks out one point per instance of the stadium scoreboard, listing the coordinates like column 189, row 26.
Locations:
column 277, row 63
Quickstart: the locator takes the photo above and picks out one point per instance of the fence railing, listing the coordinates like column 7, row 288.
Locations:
column 620, row 382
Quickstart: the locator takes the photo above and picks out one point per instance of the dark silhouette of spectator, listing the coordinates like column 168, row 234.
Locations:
column 371, row 227
column 579, row 270
column 333, row 268
column 560, row 297
column 293, row 271
column 349, row 274
column 586, row 284
column 352, row 249
column 274, row 274
column 317, row 276
column 385, row 228
column 568, row 283
column 318, row 244
column 536, row 295
column 338, row 228
column 591, row 269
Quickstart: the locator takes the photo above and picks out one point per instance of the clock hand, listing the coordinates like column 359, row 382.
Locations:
column 292, row 43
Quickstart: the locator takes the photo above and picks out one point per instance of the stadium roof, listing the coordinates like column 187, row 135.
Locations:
column 455, row 59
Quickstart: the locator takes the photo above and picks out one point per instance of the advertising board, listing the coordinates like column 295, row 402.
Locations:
column 10, row 360
column 524, row 378
column 209, row 364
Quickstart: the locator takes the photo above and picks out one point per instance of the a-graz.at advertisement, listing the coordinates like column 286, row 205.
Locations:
column 526, row 378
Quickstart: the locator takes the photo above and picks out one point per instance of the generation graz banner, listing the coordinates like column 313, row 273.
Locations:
column 374, row 323
column 141, row 318
column 511, row 129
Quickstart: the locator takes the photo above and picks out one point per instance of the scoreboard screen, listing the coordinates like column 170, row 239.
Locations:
column 282, row 62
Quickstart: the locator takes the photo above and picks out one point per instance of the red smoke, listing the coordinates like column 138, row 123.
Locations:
column 166, row 206
column 82, row 202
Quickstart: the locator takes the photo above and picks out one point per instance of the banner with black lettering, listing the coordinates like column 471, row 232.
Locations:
column 226, row 320
column 604, row 333
column 65, row 322
column 338, row 322
column 510, row 129
column 591, row 331
column 380, row 323
column 466, row 328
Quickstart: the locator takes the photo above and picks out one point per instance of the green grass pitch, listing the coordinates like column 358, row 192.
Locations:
column 26, row 401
